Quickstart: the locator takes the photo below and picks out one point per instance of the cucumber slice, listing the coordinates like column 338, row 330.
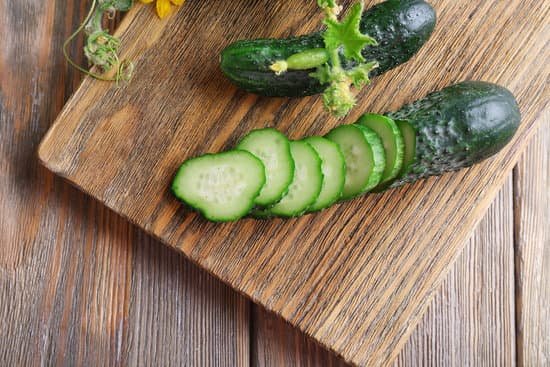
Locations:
column 364, row 156
column 378, row 155
column 307, row 183
column 221, row 186
column 392, row 139
column 409, row 138
column 273, row 149
column 333, row 167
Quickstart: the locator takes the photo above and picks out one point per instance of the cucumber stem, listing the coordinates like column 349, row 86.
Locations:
column 309, row 59
column 335, row 60
column 342, row 39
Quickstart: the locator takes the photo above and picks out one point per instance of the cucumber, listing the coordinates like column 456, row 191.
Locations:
column 379, row 157
column 448, row 130
column 457, row 127
column 392, row 139
column 401, row 28
column 306, row 185
column 333, row 167
column 364, row 156
column 409, row 139
column 273, row 149
column 221, row 186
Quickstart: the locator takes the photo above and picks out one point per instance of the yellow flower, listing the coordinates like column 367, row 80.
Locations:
column 164, row 6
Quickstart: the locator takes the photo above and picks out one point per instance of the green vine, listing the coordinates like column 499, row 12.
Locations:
column 343, row 40
column 101, row 48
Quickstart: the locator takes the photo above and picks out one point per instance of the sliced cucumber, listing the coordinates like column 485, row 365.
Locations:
column 307, row 183
column 378, row 155
column 221, row 186
column 392, row 139
column 364, row 156
column 273, row 149
column 333, row 167
column 409, row 138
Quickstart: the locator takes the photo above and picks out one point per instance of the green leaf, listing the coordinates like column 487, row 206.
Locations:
column 343, row 39
column 359, row 75
column 347, row 34
column 323, row 74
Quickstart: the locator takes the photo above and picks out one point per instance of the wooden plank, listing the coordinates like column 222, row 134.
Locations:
column 470, row 321
column 356, row 290
column 532, row 240
column 79, row 286
column 179, row 315
column 277, row 343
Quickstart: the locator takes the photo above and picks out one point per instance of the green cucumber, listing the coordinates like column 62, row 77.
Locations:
column 392, row 139
column 401, row 28
column 409, row 139
column 364, row 156
column 273, row 149
column 221, row 186
column 306, row 185
column 378, row 156
column 333, row 167
column 448, row 130
column 457, row 127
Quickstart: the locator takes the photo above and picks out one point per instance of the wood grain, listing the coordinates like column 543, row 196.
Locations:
column 532, row 219
column 79, row 285
column 277, row 343
column 470, row 321
column 357, row 277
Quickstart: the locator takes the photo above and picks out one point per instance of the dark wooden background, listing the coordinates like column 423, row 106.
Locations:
column 81, row 286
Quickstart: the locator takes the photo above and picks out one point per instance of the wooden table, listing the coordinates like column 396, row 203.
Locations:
column 81, row 286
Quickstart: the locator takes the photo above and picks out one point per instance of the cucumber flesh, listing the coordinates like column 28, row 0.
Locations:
column 221, row 186
column 392, row 140
column 409, row 139
column 379, row 157
column 273, row 149
column 333, row 167
column 307, row 183
column 364, row 156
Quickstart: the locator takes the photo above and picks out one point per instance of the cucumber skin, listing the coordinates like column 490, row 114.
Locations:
column 457, row 127
column 401, row 28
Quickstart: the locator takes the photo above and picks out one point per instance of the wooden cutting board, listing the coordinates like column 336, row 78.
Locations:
column 356, row 277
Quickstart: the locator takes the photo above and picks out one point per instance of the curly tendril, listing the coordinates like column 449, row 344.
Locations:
column 101, row 48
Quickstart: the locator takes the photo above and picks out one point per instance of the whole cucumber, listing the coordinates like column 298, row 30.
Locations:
column 457, row 127
column 401, row 28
